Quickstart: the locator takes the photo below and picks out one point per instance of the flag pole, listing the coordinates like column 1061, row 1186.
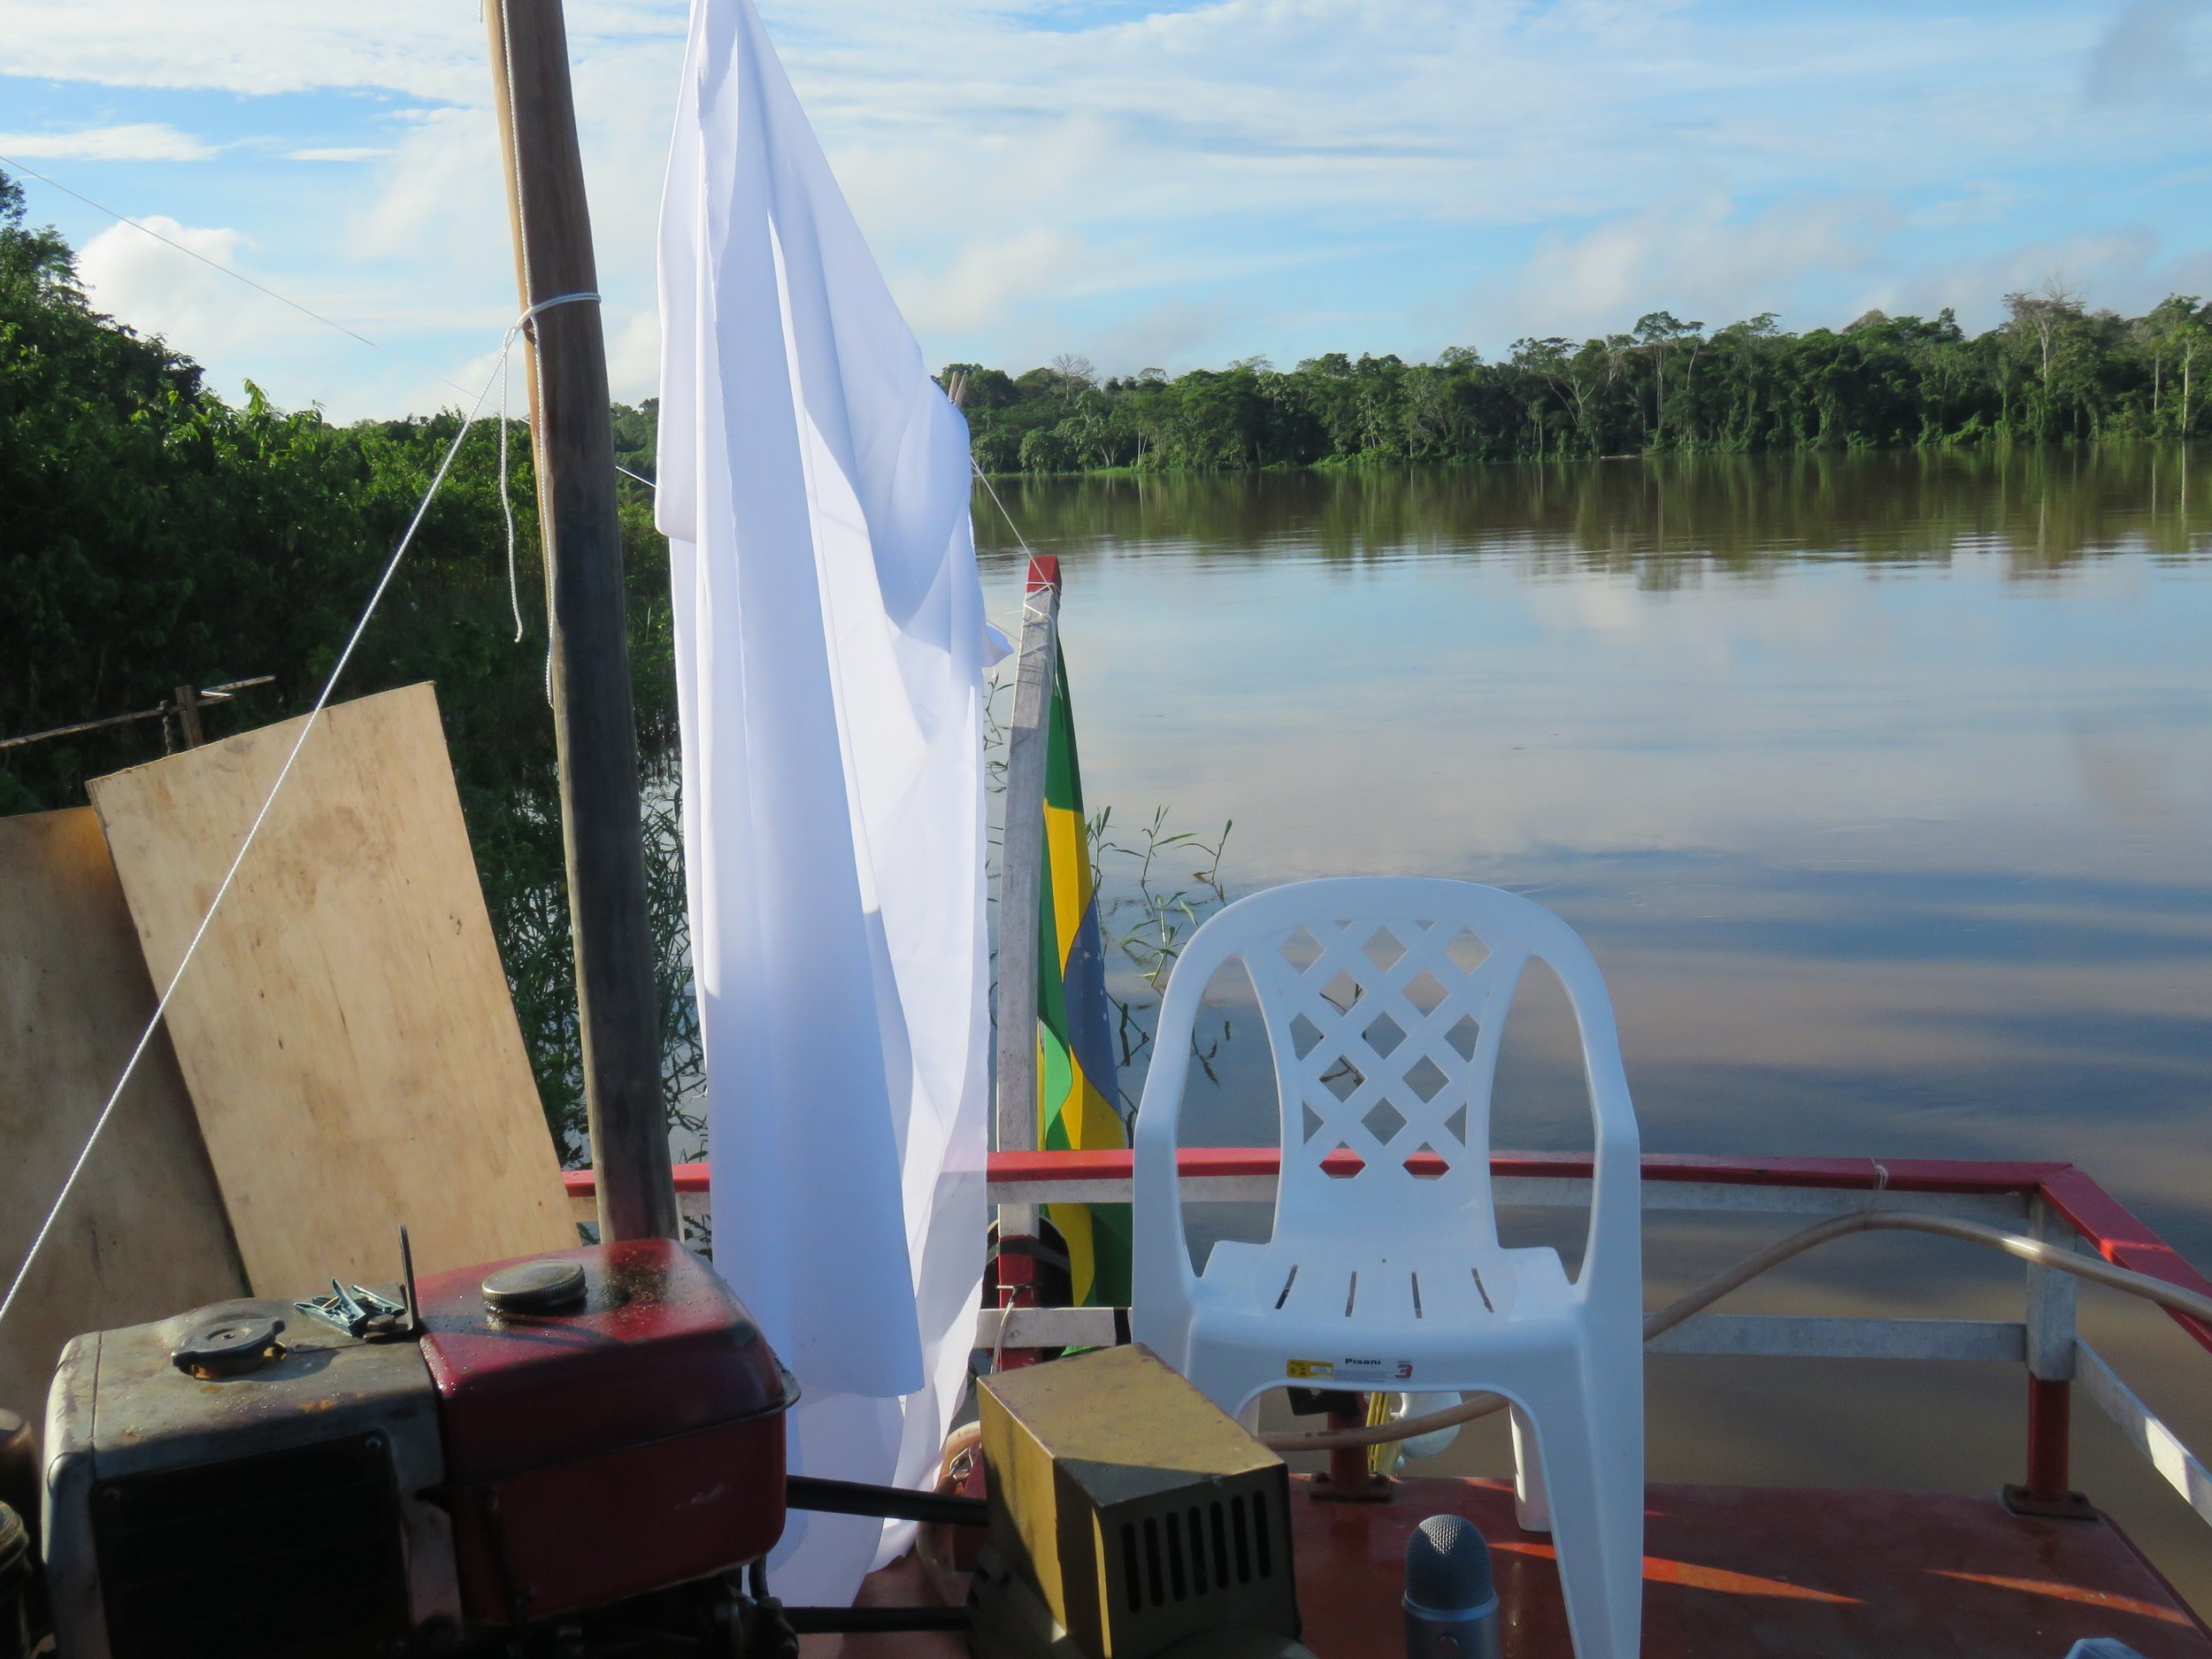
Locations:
column 572, row 441
column 1021, row 884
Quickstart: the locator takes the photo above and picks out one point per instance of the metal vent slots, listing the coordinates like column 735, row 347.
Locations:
column 1204, row 1550
column 292, row 1552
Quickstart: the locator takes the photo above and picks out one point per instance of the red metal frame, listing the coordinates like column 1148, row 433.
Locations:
column 2050, row 1442
column 2115, row 1232
column 2110, row 1228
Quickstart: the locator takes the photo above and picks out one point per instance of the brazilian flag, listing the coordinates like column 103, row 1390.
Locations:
column 1076, row 1088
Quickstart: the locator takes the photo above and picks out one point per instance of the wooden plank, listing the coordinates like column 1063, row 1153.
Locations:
column 345, row 1030
column 143, row 1235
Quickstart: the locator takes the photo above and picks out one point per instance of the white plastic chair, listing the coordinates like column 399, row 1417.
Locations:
column 1385, row 999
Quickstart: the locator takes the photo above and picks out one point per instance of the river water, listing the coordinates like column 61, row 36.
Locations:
column 1880, row 786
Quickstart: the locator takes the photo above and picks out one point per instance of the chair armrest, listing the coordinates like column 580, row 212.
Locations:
column 1160, row 1260
column 1612, row 1260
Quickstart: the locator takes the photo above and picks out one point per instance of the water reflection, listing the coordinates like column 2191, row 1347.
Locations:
column 1880, row 785
column 1663, row 520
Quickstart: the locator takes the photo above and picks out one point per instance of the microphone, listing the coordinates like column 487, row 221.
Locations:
column 1451, row 1604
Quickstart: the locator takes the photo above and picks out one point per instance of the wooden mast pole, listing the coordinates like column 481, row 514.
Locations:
column 571, row 437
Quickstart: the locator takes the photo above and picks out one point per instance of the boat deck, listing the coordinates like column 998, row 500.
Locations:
column 1732, row 1573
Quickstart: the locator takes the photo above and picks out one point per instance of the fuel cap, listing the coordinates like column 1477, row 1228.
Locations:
column 546, row 1286
column 228, row 1345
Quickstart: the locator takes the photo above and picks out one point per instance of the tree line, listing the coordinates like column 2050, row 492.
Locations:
column 2053, row 370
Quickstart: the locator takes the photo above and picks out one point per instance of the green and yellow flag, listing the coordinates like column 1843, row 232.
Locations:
column 1075, row 1087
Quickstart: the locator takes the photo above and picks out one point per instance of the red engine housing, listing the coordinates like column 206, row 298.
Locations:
column 632, row 1442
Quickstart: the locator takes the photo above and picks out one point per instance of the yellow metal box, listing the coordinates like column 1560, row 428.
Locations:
column 1138, row 1511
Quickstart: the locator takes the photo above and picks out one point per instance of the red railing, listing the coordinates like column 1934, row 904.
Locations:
column 2107, row 1225
column 2064, row 1192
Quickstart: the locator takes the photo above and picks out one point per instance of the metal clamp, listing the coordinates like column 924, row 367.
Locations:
column 359, row 1311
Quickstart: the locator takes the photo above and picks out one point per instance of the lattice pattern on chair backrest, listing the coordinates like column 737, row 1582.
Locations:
column 1384, row 1032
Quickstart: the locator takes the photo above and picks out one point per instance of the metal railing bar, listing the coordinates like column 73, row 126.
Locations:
column 1798, row 1336
column 2181, row 1468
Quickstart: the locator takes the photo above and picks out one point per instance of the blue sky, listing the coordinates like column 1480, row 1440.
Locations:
column 1148, row 185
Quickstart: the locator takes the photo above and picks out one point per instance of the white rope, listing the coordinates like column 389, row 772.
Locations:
column 984, row 478
column 506, row 498
column 330, row 685
column 1031, row 610
column 506, row 503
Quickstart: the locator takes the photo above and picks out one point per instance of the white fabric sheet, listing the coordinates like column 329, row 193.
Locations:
column 829, row 637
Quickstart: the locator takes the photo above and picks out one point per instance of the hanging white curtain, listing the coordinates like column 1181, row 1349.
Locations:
column 829, row 637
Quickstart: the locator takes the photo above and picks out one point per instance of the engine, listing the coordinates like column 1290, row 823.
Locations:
column 487, row 1454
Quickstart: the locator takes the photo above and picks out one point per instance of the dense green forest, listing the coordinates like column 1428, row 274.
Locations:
column 2053, row 370
column 153, row 535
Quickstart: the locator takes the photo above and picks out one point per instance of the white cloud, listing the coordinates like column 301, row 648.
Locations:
column 2129, row 271
column 238, row 334
column 1174, row 334
column 338, row 153
column 143, row 140
column 633, row 355
column 439, row 204
column 987, row 275
column 421, row 46
column 1695, row 257
column 420, row 49
column 196, row 309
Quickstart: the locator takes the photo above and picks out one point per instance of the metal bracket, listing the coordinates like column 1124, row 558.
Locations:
column 2073, row 1507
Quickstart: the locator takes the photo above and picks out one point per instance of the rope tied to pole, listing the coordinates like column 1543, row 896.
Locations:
column 521, row 326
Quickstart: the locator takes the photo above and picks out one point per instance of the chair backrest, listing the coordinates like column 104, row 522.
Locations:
column 1384, row 1001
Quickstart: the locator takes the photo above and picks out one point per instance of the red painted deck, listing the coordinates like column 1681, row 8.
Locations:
column 1732, row 1573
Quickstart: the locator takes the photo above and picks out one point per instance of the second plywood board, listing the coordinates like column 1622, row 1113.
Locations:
column 345, row 1028
column 142, row 1234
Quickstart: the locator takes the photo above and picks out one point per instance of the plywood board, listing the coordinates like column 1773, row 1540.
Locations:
column 144, row 1234
column 345, row 1029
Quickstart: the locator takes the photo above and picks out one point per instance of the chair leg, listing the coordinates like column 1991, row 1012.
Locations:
column 1226, row 1376
column 1531, row 1512
column 1593, row 1463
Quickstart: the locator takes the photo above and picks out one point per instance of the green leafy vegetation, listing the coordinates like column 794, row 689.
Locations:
column 2053, row 370
column 152, row 535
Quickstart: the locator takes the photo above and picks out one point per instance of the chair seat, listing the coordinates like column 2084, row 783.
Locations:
column 1434, row 1307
